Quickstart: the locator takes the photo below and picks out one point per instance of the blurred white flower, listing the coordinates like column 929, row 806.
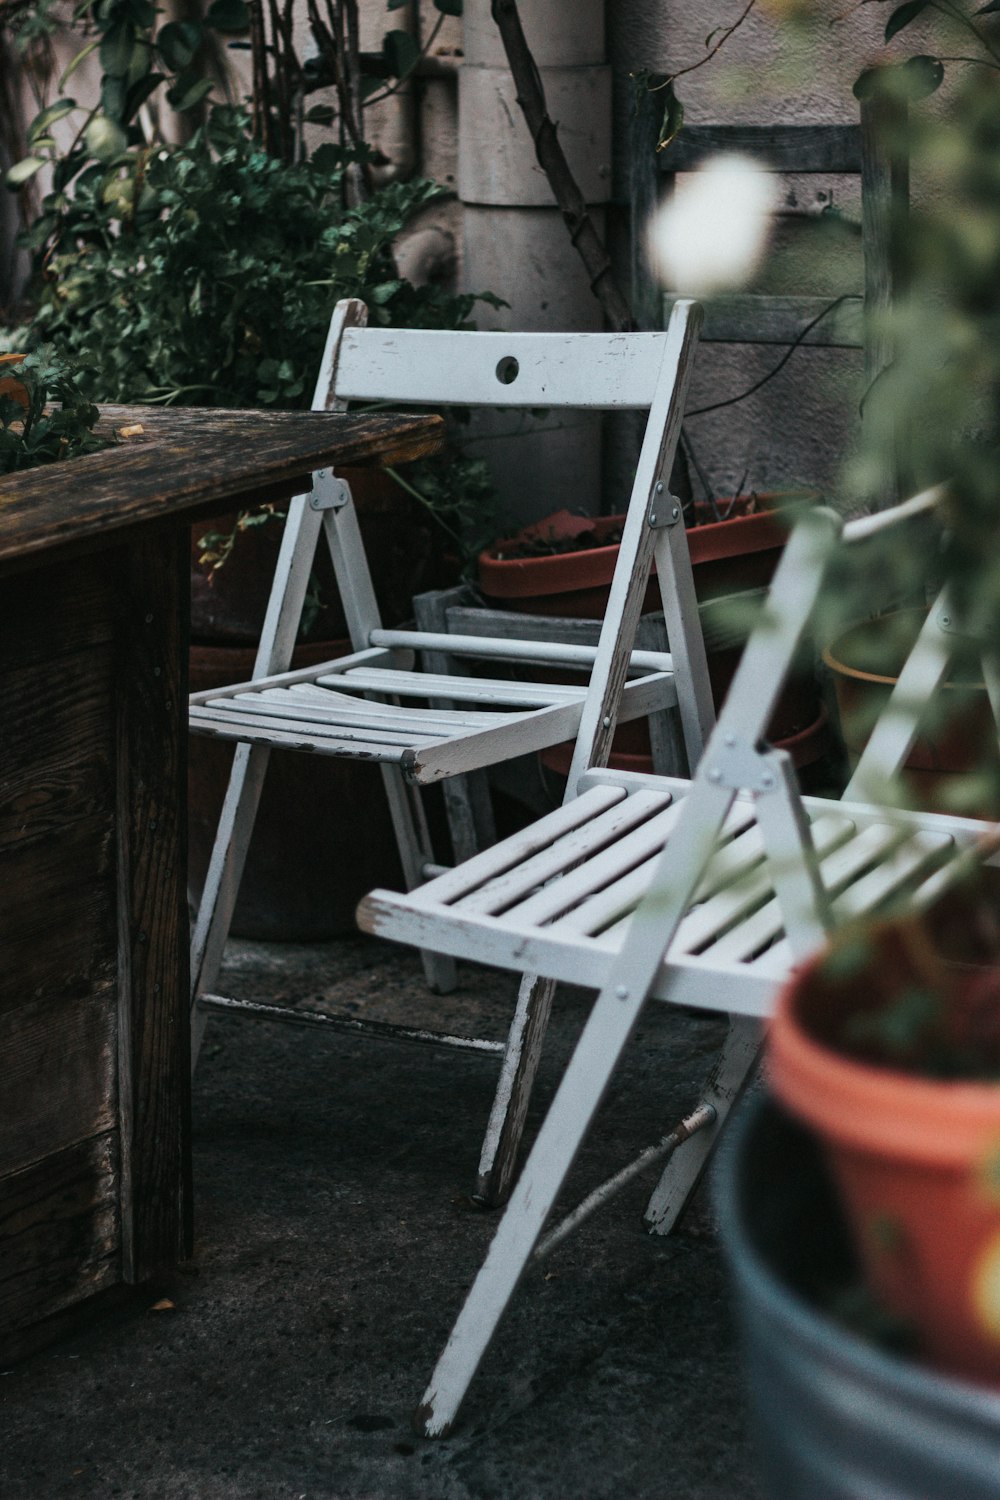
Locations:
column 710, row 235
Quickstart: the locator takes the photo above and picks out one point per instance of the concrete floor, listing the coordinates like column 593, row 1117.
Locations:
column 334, row 1241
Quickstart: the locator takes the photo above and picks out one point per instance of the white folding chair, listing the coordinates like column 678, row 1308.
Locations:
column 424, row 726
column 699, row 892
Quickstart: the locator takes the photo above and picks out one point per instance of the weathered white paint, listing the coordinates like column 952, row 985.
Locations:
column 691, row 928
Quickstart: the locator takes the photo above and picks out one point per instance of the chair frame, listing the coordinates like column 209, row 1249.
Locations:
column 498, row 905
column 641, row 371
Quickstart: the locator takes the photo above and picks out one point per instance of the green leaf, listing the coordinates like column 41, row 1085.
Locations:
column 117, row 47
column 396, row 4
column 321, row 114
column 177, row 43
column 230, row 16
column 903, row 16
column 56, row 111
column 673, row 118
column 182, row 99
column 911, row 80
column 113, row 96
column 23, row 171
column 449, row 7
column 143, row 13
column 400, row 52
column 921, row 76
column 990, row 9
column 140, row 92
column 105, row 139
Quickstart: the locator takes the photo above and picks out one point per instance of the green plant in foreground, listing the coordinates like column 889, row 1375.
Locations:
column 37, row 434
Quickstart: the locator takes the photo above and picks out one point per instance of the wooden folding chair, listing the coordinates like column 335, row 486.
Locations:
column 700, row 892
column 423, row 726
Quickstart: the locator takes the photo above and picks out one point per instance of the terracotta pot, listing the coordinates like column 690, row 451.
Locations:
column 10, row 386
column 322, row 838
column 227, row 606
column 727, row 556
column 916, row 1162
column 863, row 678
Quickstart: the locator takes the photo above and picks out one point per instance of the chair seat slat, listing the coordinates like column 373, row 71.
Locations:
column 334, row 708
column 599, row 842
column 605, row 903
column 467, row 877
column 457, row 689
column 308, row 692
column 242, row 730
column 260, row 717
column 841, row 865
column 906, row 864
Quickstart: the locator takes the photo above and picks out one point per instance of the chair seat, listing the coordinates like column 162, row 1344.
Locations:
column 327, row 711
column 558, row 897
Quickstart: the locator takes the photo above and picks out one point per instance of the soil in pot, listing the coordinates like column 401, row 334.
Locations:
column 864, row 662
column 892, row 1055
column 322, row 838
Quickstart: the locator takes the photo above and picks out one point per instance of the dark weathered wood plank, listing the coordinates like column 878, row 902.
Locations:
column 58, row 1075
column 153, row 1053
column 58, row 1234
column 785, row 148
column 185, row 459
column 57, row 930
column 55, row 750
column 764, row 318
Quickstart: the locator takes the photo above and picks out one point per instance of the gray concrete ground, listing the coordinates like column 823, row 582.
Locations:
column 334, row 1241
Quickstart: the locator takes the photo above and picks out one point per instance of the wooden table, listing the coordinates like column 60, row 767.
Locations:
column 94, row 1068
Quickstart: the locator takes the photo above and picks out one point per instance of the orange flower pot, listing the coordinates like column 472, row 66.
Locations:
column 917, row 1164
column 10, row 386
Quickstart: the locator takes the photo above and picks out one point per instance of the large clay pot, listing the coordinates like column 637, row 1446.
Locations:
column 916, row 1160
column 864, row 662
column 322, row 838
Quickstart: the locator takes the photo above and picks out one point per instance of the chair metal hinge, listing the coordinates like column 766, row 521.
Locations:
column 664, row 508
column 737, row 764
column 328, row 493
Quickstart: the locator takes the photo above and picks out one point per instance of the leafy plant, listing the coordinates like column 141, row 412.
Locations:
column 32, row 434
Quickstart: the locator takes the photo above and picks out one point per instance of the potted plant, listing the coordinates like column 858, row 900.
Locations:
column 889, row 1049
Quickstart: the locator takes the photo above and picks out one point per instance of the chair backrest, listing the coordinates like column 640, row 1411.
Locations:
column 605, row 371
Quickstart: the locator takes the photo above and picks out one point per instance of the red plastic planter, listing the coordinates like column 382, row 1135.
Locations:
column 916, row 1161
column 738, row 553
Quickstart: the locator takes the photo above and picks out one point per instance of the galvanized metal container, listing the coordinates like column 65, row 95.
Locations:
column 836, row 1417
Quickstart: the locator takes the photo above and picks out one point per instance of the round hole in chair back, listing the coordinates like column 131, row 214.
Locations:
column 508, row 370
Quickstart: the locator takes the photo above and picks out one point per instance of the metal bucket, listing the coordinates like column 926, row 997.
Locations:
column 836, row 1418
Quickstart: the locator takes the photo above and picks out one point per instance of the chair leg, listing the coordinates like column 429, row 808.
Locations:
column 601, row 1043
column 225, row 871
column 723, row 1090
column 502, row 1141
column 414, row 844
